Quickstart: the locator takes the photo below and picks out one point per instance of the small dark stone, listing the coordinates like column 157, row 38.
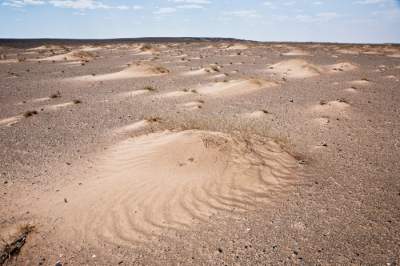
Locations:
column 220, row 250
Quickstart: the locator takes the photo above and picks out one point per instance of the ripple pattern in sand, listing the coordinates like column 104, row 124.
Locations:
column 162, row 182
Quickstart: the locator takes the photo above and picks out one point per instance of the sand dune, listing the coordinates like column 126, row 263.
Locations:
column 299, row 68
column 145, row 190
column 71, row 56
column 234, row 87
column 133, row 71
column 295, row 68
column 202, row 71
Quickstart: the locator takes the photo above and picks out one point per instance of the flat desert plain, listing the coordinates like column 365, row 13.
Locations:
column 199, row 152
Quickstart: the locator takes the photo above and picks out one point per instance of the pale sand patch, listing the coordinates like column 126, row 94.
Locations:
column 218, row 76
column 133, row 127
column 299, row 68
column 392, row 77
column 349, row 51
column 322, row 121
column 234, row 87
column 37, row 100
column 174, row 94
column 201, row 71
column 351, row 90
column 133, row 93
column 331, row 108
column 55, row 107
column 362, row 82
column 295, row 68
column 257, row 114
column 237, row 46
column 133, row 71
column 341, row 67
column 162, row 182
column 10, row 120
column 394, row 55
column 8, row 61
column 296, row 52
column 195, row 105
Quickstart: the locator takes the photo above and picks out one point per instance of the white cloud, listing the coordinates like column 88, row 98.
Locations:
column 84, row 4
column 242, row 13
column 22, row 3
column 369, row 2
column 73, row 4
column 164, row 10
column 198, row 2
column 190, row 6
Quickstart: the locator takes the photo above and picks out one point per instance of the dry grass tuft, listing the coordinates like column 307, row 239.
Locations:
column 30, row 113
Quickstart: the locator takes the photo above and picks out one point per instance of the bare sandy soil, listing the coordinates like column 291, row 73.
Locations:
column 203, row 152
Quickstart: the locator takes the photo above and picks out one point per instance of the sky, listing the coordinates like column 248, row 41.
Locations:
column 358, row 21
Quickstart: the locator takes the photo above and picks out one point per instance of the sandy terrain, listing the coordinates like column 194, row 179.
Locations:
column 199, row 153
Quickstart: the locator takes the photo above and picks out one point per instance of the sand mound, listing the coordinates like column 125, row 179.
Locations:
column 341, row 67
column 361, row 82
column 351, row 90
column 202, row 71
column 195, row 105
column 298, row 68
column 174, row 94
column 134, row 71
column 295, row 68
column 146, row 190
column 234, row 87
column 237, row 46
column 55, row 107
column 322, row 121
column 10, row 120
column 142, row 124
column 257, row 114
column 331, row 108
column 297, row 52
column 71, row 56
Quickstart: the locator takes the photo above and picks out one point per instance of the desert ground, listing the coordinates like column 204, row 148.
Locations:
column 199, row 152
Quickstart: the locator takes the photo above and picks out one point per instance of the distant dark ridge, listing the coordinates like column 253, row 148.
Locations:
column 24, row 43
column 28, row 43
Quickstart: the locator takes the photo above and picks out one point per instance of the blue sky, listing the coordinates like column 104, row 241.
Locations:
column 371, row 21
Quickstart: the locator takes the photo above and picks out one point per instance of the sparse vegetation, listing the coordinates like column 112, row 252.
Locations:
column 149, row 88
column 161, row 70
column 55, row 95
column 13, row 248
column 342, row 100
column 153, row 119
column 30, row 113
column 146, row 47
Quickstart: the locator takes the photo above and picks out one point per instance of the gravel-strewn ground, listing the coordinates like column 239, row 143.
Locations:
column 344, row 208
